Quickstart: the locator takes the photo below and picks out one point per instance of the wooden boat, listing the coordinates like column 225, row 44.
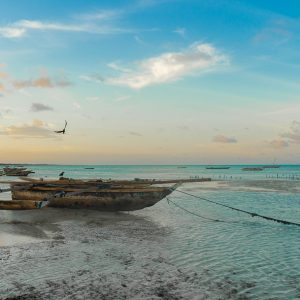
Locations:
column 271, row 167
column 19, row 173
column 217, row 168
column 21, row 204
column 16, row 171
column 252, row 169
column 93, row 195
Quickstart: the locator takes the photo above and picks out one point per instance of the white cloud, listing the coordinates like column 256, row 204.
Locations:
column 12, row 32
column 171, row 66
column 224, row 139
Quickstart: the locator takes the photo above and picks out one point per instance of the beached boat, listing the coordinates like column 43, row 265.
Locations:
column 16, row 171
column 21, row 204
column 252, row 169
column 105, row 196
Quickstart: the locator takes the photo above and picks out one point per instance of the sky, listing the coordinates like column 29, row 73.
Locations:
column 150, row 81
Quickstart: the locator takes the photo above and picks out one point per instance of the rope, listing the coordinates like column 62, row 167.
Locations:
column 241, row 210
column 192, row 213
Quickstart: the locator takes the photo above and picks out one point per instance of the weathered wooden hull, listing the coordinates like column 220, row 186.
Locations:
column 17, row 171
column 105, row 200
column 19, row 205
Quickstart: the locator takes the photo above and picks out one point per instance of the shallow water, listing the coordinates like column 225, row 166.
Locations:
column 241, row 258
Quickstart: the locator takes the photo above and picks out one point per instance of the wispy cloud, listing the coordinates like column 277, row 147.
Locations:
column 92, row 78
column 36, row 129
column 115, row 66
column 139, row 40
column 37, row 107
column 180, row 31
column 275, row 36
column 134, row 133
column 224, row 139
column 101, row 15
column 76, row 105
column 122, row 98
column 12, row 32
column 99, row 22
column 277, row 32
column 169, row 67
column 184, row 127
column 43, row 81
column 278, row 144
column 293, row 135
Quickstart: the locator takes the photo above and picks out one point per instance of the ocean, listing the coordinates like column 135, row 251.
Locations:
column 239, row 257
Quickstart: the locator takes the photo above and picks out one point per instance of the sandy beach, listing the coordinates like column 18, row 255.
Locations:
column 67, row 254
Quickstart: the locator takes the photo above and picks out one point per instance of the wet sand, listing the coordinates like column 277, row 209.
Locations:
column 83, row 254
column 72, row 254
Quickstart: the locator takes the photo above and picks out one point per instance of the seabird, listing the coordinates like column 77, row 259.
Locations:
column 62, row 131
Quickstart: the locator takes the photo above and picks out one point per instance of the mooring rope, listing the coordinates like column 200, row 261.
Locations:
column 192, row 213
column 240, row 210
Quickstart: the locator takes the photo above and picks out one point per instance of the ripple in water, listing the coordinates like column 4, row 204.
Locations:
column 244, row 258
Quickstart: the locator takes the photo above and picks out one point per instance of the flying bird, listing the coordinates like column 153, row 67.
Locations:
column 64, row 130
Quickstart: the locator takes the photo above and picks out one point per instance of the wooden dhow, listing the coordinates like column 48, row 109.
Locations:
column 16, row 171
column 104, row 196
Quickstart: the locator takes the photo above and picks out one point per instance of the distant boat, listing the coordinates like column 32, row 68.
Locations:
column 274, row 166
column 89, row 168
column 271, row 167
column 217, row 168
column 252, row 169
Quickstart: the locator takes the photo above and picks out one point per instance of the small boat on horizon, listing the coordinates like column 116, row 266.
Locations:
column 217, row 168
column 273, row 166
column 252, row 169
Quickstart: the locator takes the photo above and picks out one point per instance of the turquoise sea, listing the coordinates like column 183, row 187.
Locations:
column 243, row 257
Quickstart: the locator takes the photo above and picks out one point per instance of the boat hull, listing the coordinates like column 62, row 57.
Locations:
column 113, row 200
column 20, row 205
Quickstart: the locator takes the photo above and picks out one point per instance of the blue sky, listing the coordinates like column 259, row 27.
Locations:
column 150, row 81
